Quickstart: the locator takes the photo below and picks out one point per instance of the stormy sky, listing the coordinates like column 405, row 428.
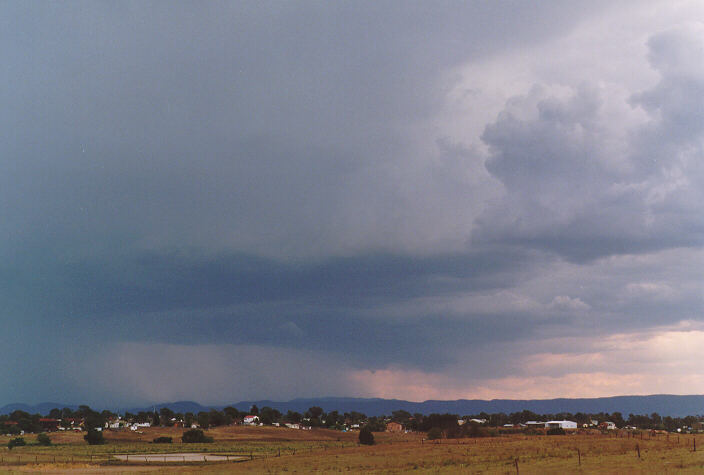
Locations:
column 220, row 201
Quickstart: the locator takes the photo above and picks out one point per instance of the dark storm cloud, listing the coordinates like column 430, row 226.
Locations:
column 247, row 299
column 281, row 175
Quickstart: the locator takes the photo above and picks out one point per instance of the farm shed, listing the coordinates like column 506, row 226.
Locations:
column 561, row 425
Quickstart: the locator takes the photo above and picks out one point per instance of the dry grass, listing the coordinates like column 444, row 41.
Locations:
column 331, row 451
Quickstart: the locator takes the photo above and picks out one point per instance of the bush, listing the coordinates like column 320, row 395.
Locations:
column 43, row 439
column 365, row 436
column 435, row 433
column 556, row 431
column 16, row 442
column 163, row 440
column 475, row 430
column 94, row 437
column 195, row 436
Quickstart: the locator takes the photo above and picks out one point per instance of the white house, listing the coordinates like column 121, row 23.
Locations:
column 250, row 420
column 561, row 425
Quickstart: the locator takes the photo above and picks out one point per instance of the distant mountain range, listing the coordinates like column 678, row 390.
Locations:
column 663, row 404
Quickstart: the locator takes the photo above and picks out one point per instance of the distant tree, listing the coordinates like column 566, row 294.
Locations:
column 365, row 436
column 55, row 413
column 93, row 420
column 166, row 415
column 143, row 416
column 435, row 433
column 472, row 429
column 446, row 422
column 66, row 413
column 204, row 419
column 315, row 412
column 617, row 418
column 332, row 418
column 401, row 416
column 254, row 410
column 188, row 419
column 217, row 418
column 293, row 417
column 194, row 436
column 94, row 437
column 232, row 412
column 376, row 424
column 16, row 442
column 556, row 431
column 268, row 416
column 156, row 420
column 43, row 439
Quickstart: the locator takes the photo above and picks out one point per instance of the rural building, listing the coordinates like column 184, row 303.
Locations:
column 49, row 424
column 561, row 425
column 608, row 425
column 394, row 427
column 250, row 420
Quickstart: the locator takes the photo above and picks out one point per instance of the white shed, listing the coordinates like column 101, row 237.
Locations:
column 561, row 425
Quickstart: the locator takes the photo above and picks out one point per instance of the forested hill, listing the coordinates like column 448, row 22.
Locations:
column 663, row 404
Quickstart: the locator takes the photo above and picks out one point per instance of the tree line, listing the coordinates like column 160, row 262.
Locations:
column 315, row 416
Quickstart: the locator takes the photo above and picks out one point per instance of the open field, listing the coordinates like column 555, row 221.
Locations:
column 278, row 450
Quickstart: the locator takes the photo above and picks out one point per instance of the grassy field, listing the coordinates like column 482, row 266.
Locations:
column 278, row 450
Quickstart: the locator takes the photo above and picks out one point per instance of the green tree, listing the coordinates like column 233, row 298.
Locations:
column 188, row 419
column 194, row 436
column 315, row 412
column 435, row 433
column 163, row 440
column 232, row 412
column 204, row 419
column 217, row 418
column 94, row 437
column 156, row 421
column 365, row 436
column 293, row 417
column 166, row 415
column 16, row 442
column 43, row 439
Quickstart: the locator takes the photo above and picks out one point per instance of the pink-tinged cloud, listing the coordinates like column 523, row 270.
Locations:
column 658, row 362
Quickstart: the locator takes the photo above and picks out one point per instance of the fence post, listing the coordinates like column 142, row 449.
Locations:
column 638, row 450
column 516, row 466
column 579, row 457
